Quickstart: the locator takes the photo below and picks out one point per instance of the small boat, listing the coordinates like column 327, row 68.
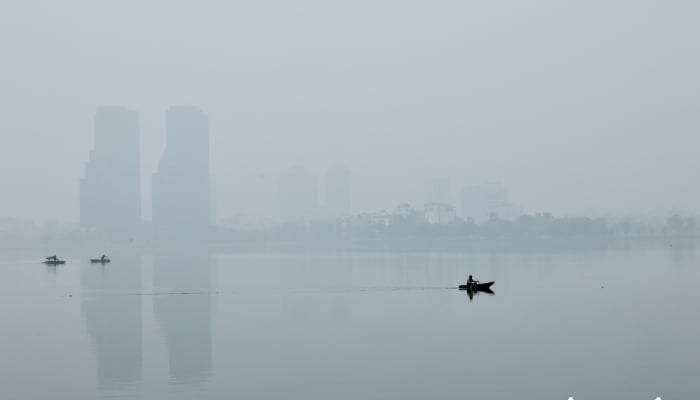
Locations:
column 100, row 260
column 54, row 262
column 477, row 286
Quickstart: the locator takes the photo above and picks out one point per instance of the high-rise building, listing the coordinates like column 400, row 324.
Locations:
column 298, row 196
column 110, row 192
column 337, row 190
column 181, row 185
column 482, row 201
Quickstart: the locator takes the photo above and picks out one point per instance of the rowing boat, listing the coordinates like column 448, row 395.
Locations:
column 54, row 262
column 476, row 286
column 99, row 260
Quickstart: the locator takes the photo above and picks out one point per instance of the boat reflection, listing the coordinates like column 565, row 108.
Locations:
column 472, row 293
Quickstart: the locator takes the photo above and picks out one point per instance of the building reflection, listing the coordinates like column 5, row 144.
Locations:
column 111, row 306
column 182, row 308
column 340, row 298
column 300, row 280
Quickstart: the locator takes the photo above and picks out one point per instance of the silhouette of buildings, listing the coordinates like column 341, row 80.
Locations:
column 481, row 201
column 110, row 192
column 439, row 213
column 404, row 210
column 181, row 191
column 213, row 216
column 337, row 190
column 298, row 196
column 368, row 219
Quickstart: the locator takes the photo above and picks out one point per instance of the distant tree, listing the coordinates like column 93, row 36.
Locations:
column 622, row 227
column 675, row 223
column 689, row 225
column 525, row 224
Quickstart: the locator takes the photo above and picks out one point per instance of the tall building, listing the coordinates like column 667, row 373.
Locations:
column 298, row 196
column 213, row 216
column 337, row 190
column 181, row 185
column 480, row 201
column 110, row 192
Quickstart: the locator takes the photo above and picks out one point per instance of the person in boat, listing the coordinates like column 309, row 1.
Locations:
column 471, row 281
column 103, row 257
column 52, row 258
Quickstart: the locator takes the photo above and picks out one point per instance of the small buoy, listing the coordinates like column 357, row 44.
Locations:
column 601, row 286
column 70, row 295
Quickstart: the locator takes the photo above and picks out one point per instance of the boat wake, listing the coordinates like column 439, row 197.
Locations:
column 174, row 293
column 368, row 289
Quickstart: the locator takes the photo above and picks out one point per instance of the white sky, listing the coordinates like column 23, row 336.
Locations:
column 575, row 106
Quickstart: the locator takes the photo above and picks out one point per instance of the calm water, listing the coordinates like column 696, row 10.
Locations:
column 187, row 324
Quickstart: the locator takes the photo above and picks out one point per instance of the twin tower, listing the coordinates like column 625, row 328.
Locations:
column 110, row 193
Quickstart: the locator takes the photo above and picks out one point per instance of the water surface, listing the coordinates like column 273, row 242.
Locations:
column 184, row 323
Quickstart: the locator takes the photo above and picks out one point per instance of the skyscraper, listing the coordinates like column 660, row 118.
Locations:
column 110, row 192
column 337, row 192
column 181, row 184
column 481, row 201
column 298, row 196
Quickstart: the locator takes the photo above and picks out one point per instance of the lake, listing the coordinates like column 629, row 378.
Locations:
column 611, row 323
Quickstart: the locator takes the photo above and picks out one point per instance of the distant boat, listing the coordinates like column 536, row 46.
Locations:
column 476, row 286
column 54, row 262
column 100, row 260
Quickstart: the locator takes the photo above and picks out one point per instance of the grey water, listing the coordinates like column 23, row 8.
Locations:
column 610, row 323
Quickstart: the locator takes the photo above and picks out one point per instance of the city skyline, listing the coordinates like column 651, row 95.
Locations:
column 115, row 163
column 253, row 191
column 114, row 126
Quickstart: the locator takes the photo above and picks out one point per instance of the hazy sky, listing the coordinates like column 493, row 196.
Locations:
column 574, row 106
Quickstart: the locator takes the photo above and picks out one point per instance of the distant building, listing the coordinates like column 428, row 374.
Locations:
column 213, row 216
column 298, row 196
column 247, row 222
column 481, row 201
column 337, row 191
column 181, row 189
column 404, row 211
column 439, row 214
column 379, row 219
column 110, row 192
column 437, row 190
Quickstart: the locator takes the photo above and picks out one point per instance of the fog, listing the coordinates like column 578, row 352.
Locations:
column 576, row 107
